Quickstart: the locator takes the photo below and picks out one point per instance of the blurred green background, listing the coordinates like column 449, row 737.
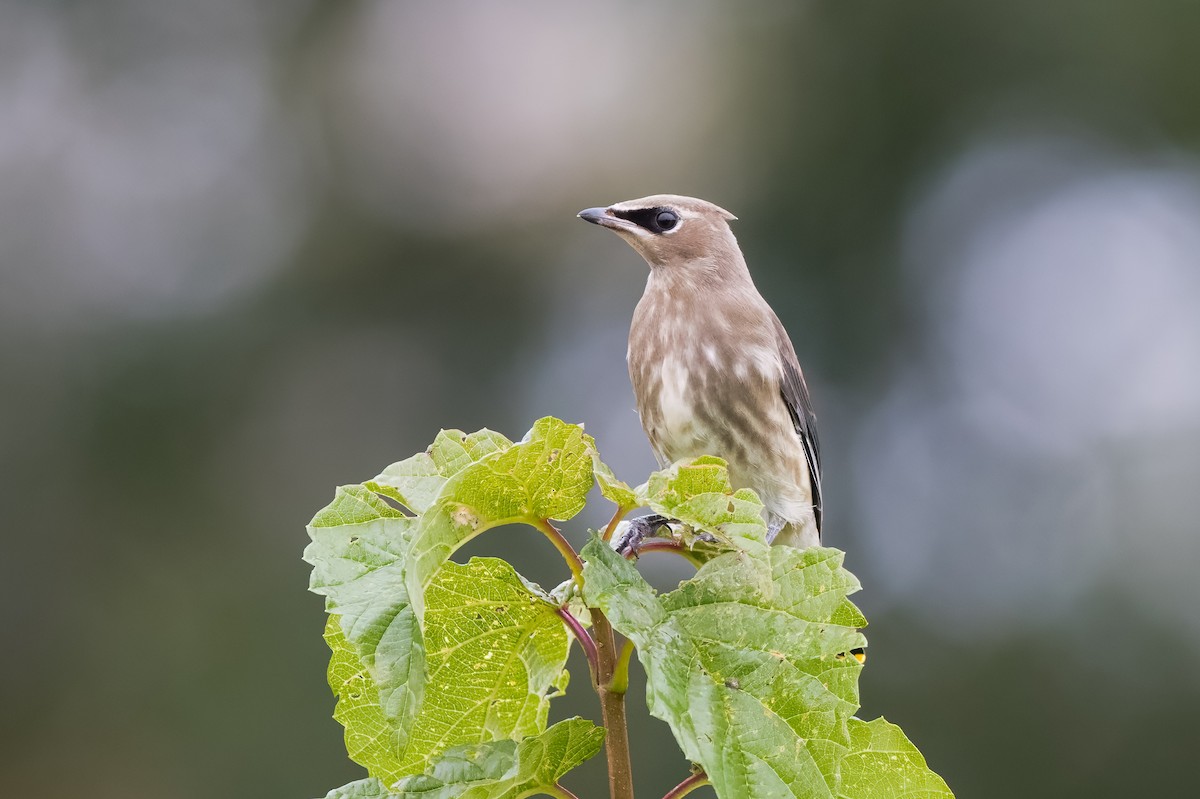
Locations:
column 251, row 250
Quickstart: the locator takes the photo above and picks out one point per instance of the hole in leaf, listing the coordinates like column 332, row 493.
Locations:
column 396, row 504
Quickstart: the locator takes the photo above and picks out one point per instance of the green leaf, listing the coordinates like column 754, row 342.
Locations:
column 416, row 482
column 452, row 450
column 358, row 549
column 611, row 488
column 747, row 662
column 444, row 672
column 706, row 474
column 360, row 553
column 371, row 740
column 370, row 788
column 413, row 482
column 883, row 764
column 496, row 770
column 353, row 505
column 498, row 646
column 698, row 493
column 506, row 769
column 546, row 476
column 496, row 653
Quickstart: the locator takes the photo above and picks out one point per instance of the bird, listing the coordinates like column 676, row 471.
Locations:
column 713, row 369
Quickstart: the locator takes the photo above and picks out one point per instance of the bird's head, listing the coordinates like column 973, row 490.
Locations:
column 668, row 230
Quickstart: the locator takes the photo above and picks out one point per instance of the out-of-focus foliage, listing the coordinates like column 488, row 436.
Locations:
column 247, row 247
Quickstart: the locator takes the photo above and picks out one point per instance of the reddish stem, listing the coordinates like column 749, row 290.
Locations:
column 563, row 546
column 665, row 546
column 602, row 659
column 582, row 636
column 657, row 546
column 693, row 782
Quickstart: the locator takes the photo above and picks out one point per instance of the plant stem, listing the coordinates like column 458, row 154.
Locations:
column 612, row 707
column 622, row 511
column 612, row 703
column 687, row 786
column 563, row 546
column 582, row 636
column 667, row 546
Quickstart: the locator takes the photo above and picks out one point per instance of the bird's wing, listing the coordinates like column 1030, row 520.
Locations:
column 795, row 396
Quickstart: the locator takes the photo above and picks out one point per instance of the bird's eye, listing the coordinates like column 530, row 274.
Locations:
column 666, row 220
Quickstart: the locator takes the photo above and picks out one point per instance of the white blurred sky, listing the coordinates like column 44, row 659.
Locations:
column 1016, row 461
column 147, row 189
column 1037, row 440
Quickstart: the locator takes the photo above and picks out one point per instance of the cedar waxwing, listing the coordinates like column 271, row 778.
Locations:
column 713, row 370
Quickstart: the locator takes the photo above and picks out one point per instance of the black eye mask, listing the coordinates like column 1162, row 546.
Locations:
column 656, row 220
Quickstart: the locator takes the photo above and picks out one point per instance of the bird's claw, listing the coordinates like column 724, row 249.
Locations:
column 630, row 534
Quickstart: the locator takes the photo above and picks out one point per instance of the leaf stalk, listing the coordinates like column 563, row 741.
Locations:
column 563, row 546
column 667, row 546
column 583, row 637
column 621, row 513
column 620, row 680
column 697, row 780
column 612, row 702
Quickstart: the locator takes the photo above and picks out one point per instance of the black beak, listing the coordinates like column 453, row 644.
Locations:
column 597, row 216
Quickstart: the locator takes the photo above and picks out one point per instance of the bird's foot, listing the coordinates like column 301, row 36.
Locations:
column 630, row 535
